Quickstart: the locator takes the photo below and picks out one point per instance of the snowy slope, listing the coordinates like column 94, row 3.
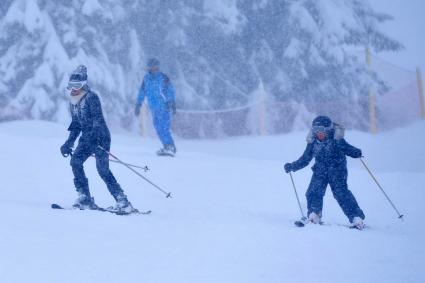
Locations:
column 231, row 218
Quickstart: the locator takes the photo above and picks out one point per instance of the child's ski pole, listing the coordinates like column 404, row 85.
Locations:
column 400, row 216
column 298, row 200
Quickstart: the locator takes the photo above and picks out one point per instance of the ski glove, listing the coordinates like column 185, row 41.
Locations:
column 137, row 109
column 66, row 149
column 288, row 167
column 172, row 106
column 357, row 154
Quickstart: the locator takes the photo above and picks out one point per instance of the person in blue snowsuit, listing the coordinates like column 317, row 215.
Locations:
column 157, row 87
column 88, row 121
column 327, row 145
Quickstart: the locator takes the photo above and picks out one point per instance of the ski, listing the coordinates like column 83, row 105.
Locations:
column 101, row 209
column 355, row 227
column 304, row 222
column 135, row 211
column 300, row 223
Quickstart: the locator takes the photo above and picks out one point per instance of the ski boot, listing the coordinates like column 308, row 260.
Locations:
column 168, row 150
column 84, row 202
column 314, row 218
column 357, row 223
column 123, row 206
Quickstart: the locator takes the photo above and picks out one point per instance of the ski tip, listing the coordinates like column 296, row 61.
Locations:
column 299, row 224
column 55, row 206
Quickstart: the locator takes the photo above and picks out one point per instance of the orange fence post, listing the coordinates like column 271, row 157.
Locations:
column 372, row 112
column 420, row 92
column 372, row 98
column 143, row 117
column 262, row 110
column 262, row 118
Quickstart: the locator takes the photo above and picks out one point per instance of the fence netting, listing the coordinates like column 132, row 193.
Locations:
column 397, row 107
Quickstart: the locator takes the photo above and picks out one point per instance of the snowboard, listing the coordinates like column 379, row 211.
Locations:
column 165, row 154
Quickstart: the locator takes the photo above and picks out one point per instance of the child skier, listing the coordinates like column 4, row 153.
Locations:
column 87, row 119
column 327, row 145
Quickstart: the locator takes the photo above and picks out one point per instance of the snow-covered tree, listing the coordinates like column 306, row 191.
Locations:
column 219, row 53
column 302, row 52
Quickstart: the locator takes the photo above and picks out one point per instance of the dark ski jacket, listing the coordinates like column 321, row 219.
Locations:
column 329, row 155
column 87, row 119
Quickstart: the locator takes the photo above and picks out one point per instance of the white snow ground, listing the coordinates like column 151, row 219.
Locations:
column 231, row 218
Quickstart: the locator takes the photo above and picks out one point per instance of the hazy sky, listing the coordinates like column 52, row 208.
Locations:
column 408, row 27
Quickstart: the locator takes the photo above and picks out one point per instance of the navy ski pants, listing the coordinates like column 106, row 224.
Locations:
column 83, row 151
column 337, row 179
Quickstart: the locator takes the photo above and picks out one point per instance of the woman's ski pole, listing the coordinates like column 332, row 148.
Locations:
column 144, row 168
column 400, row 216
column 298, row 200
column 168, row 195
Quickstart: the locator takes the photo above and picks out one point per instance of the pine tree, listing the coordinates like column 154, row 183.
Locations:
column 218, row 53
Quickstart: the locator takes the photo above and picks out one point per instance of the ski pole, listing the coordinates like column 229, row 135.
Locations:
column 298, row 199
column 144, row 168
column 400, row 216
column 167, row 195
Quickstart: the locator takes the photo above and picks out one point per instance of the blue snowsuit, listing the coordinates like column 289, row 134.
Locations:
column 160, row 93
column 330, row 168
column 87, row 119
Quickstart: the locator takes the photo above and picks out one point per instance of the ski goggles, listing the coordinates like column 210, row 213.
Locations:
column 75, row 85
column 321, row 129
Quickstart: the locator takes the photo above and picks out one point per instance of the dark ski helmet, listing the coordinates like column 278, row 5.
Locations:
column 322, row 127
column 323, row 121
column 152, row 62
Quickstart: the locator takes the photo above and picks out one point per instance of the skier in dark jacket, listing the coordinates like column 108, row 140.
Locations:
column 157, row 87
column 88, row 120
column 327, row 145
